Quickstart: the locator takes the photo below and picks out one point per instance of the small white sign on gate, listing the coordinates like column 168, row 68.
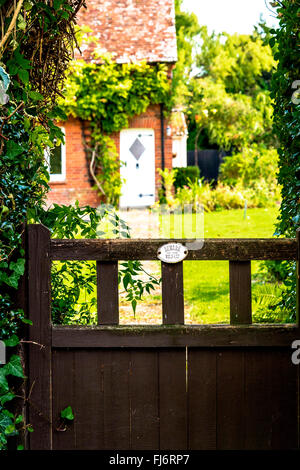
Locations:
column 172, row 252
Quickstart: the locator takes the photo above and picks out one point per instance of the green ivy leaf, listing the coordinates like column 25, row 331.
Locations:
column 6, row 397
column 14, row 367
column 12, row 341
column 67, row 413
column 13, row 149
column 18, row 267
column 10, row 430
column 3, row 381
column 19, row 419
column 5, row 421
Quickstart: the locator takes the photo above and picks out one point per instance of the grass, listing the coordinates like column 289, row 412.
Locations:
column 206, row 283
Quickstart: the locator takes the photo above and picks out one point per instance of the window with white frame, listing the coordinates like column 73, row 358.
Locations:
column 56, row 161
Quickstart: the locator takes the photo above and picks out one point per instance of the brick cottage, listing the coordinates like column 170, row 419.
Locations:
column 132, row 30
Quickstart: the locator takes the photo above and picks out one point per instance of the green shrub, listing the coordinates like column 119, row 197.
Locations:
column 249, row 166
column 224, row 196
column 265, row 304
column 184, row 174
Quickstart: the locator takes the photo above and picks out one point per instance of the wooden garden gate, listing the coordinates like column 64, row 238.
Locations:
column 160, row 387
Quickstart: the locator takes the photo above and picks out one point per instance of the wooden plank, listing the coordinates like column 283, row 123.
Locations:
column 115, row 376
column 144, row 400
column 88, row 400
column 240, row 292
column 174, row 336
column 39, row 297
column 172, row 293
column 230, row 400
column 213, row 249
column 63, row 389
column 107, row 293
column 202, row 407
column 173, row 399
column 271, row 400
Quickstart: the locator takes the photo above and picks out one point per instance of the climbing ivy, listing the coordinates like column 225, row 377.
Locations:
column 286, row 94
column 106, row 95
column 31, row 76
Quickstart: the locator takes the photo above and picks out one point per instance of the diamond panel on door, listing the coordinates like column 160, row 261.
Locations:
column 137, row 155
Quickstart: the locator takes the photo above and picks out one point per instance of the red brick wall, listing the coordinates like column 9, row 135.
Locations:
column 77, row 185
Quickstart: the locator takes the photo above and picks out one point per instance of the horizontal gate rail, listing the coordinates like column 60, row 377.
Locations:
column 213, row 249
column 206, row 336
column 239, row 253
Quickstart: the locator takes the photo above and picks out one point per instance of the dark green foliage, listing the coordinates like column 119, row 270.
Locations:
column 286, row 94
column 29, row 57
column 186, row 175
column 187, row 30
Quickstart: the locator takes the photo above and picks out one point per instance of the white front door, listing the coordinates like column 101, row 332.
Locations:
column 137, row 155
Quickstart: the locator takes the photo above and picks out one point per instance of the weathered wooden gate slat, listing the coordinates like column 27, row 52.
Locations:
column 240, row 292
column 172, row 386
column 271, row 400
column 230, row 400
column 107, row 293
column 173, row 399
column 144, row 399
column 117, row 433
column 172, row 293
column 64, row 383
column 87, row 400
column 202, row 404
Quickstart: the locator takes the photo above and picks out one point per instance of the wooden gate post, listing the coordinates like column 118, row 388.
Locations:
column 39, row 297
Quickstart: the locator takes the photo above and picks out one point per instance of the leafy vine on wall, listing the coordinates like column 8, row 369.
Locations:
column 105, row 95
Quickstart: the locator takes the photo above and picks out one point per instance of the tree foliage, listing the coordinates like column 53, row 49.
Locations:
column 187, row 31
column 231, row 104
column 286, row 95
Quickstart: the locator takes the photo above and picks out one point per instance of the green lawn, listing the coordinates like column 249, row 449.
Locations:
column 206, row 283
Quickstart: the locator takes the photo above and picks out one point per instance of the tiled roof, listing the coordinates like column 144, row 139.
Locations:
column 131, row 29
